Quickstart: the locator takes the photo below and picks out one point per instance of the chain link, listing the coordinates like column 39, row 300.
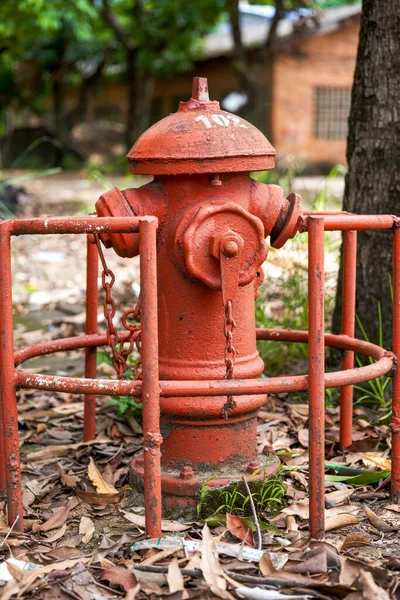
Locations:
column 121, row 346
column 229, row 356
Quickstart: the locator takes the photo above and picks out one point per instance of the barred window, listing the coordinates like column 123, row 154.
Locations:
column 331, row 111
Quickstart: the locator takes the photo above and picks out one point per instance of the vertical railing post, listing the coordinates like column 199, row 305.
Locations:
column 395, row 424
column 7, row 384
column 316, row 374
column 348, row 327
column 3, row 486
column 150, row 378
column 92, row 266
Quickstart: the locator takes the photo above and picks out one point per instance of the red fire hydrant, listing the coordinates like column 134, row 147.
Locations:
column 213, row 221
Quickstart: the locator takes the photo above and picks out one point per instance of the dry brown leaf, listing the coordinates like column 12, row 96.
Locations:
column 210, row 565
column 301, row 509
column 369, row 588
column 239, row 528
column 15, row 571
column 55, row 521
column 393, row 507
column 267, row 568
column 132, row 593
column 86, row 529
column 376, row 521
column 140, row 521
column 300, row 478
column 64, row 553
column 57, row 535
column 339, row 496
column 102, row 487
column 49, row 452
column 121, row 576
column 377, row 460
column 340, row 520
column 108, row 474
column 175, row 577
column 28, row 498
column 314, row 561
column 30, row 576
column 95, row 499
column 355, row 541
column 291, row 524
column 302, row 435
column 68, row 480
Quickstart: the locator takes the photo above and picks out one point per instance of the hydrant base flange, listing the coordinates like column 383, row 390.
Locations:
column 180, row 490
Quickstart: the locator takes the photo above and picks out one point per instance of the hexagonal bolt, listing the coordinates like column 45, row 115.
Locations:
column 227, row 242
column 230, row 248
column 253, row 466
column 186, row 473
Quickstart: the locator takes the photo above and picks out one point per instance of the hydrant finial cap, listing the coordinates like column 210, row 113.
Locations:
column 200, row 89
column 200, row 138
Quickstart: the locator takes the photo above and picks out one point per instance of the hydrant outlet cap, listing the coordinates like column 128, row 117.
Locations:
column 200, row 138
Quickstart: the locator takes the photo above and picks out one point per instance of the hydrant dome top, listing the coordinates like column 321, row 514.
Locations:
column 200, row 138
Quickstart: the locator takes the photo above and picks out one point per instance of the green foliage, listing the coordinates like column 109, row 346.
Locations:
column 376, row 392
column 124, row 405
column 268, row 496
column 292, row 289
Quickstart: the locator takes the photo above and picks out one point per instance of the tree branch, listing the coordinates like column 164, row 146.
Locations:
column 111, row 19
column 270, row 39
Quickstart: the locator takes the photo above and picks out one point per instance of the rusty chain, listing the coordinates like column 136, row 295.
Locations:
column 121, row 345
column 229, row 356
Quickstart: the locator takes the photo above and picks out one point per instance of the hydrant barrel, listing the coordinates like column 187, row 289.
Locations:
column 213, row 221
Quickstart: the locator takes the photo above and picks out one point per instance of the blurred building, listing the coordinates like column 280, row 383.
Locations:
column 306, row 90
column 307, row 87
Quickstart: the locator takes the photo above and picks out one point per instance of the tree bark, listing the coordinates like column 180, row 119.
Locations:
column 373, row 156
column 58, row 103
column 140, row 92
column 249, row 75
column 87, row 85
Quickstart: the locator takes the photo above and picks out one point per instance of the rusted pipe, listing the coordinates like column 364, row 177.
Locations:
column 284, row 383
column 316, row 371
column 340, row 342
column 92, row 265
column 349, row 222
column 3, row 486
column 7, row 384
column 68, row 225
column 348, row 326
column 150, row 379
column 395, row 424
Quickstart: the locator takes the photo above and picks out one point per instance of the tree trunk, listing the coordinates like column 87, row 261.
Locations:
column 58, row 103
column 140, row 91
column 373, row 156
column 87, row 85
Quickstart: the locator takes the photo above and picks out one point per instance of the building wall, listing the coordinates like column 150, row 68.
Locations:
column 322, row 61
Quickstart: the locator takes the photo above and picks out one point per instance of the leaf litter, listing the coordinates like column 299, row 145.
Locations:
column 84, row 537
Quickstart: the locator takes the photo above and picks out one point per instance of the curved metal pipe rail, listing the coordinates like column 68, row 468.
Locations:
column 166, row 394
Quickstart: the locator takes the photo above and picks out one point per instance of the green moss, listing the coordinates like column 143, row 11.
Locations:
column 268, row 496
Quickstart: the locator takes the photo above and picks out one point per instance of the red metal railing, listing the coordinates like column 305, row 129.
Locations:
column 154, row 393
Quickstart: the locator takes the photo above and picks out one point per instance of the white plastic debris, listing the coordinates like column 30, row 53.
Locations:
column 5, row 574
column 237, row 551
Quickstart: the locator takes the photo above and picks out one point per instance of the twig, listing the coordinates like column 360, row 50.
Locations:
column 266, row 582
column 253, row 509
column 9, row 531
